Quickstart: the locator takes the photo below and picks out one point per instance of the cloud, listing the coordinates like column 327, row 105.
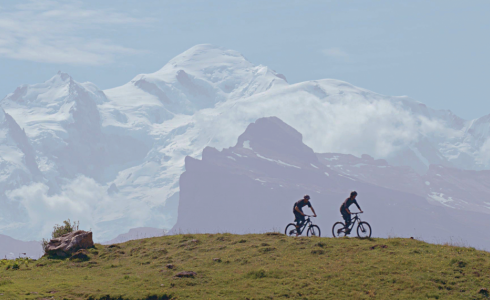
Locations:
column 484, row 153
column 335, row 53
column 331, row 120
column 60, row 32
column 82, row 199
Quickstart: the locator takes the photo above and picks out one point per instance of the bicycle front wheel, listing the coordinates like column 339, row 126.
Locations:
column 290, row 230
column 338, row 229
column 313, row 231
column 364, row 230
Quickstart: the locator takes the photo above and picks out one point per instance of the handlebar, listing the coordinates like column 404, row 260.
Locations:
column 355, row 213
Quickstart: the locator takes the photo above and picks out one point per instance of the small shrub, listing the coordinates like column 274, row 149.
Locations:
column 67, row 227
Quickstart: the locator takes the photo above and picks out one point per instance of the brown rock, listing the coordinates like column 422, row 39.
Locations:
column 186, row 274
column 170, row 266
column 69, row 243
column 217, row 259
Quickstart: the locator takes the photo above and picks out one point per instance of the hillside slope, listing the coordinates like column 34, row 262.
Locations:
column 267, row 266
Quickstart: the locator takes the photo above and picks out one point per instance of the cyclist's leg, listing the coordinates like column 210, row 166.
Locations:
column 300, row 219
column 347, row 219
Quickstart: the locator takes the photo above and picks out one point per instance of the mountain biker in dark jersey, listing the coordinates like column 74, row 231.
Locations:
column 344, row 210
column 298, row 211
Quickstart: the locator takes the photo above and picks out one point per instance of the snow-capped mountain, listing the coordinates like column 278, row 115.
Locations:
column 199, row 78
column 17, row 158
column 17, row 168
column 64, row 124
column 112, row 159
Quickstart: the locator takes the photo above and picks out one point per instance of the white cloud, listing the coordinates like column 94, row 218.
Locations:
column 336, row 53
column 484, row 153
column 82, row 199
column 59, row 32
column 358, row 122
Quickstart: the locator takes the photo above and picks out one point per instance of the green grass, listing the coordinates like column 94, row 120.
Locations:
column 257, row 267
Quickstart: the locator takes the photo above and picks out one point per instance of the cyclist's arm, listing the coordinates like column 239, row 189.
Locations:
column 358, row 207
column 348, row 211
column 297, row 209
column 313, row 210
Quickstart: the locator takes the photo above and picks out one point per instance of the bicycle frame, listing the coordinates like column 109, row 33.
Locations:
column 307, row 222
column 354, row 220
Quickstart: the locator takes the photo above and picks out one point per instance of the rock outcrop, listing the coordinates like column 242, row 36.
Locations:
column 70, row 243
column 251, row 188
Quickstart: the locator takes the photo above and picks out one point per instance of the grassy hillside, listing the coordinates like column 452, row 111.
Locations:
column 267, row 266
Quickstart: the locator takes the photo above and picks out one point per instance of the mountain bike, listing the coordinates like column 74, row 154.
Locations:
column 311, row 230
column 363, row 228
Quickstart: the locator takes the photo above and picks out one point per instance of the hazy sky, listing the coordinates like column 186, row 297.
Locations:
column 436, row 52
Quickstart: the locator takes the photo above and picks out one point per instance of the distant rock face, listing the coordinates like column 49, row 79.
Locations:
column 440, row 185
column 252, row 187
column 11, row 248
column 69, row 243
column 136, row 234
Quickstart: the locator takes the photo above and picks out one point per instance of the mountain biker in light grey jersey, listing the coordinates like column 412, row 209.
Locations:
column 344, row 210
column 298, row 212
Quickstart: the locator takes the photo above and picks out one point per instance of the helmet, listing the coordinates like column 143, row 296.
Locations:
column 353, row 193
column 306, row 197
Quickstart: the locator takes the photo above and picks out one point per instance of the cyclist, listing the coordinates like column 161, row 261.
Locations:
column 344, row 210
column 298, row 212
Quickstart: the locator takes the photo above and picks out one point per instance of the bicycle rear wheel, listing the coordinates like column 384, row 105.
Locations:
column 313, row 231
column 338, row 229
column 364, row 230
column 290, row 230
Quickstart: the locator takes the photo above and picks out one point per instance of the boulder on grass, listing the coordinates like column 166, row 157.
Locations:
column 70, row 243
